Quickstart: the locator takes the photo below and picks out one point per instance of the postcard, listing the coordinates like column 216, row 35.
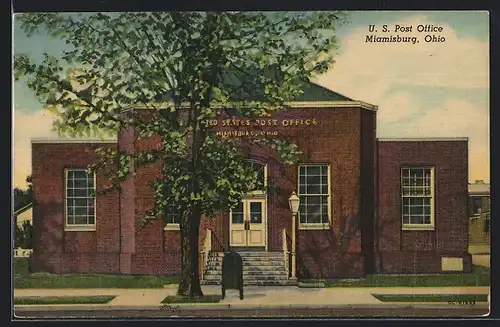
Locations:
column 328, row 164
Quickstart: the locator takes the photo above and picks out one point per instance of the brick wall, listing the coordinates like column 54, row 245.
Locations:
column 412, row 251
column 368, row 172
column 359, row 240
column 334, row 139
column 57, row 250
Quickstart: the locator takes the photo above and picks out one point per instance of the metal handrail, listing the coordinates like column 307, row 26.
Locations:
column 219, row 246
column 286, row 253
column 205, row 252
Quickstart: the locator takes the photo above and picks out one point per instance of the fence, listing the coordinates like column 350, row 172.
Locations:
column 479, row 229
column 22, row 253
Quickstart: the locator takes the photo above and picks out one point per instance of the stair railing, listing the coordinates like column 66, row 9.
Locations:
column 286, row 253
column 217, row 245
column 205, row 252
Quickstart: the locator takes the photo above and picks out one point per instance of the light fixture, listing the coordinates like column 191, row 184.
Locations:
column 294, row 202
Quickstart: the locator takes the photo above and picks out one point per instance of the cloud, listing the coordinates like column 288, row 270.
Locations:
column 396, row 107
column 367, row 71
column 28, row 125
column 454, row 118
column 422, row 89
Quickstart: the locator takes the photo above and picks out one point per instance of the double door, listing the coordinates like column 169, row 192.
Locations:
column 247, row 224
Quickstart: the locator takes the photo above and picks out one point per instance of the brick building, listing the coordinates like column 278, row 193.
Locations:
column 479, row 213
column 367, row 205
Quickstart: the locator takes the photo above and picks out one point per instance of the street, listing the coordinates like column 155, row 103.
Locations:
column 173, row 311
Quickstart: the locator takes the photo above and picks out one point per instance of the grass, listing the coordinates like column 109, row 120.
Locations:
column 23, row 279
column 432, row 297
column 30, row 300
column 21, row 266
column 311, row 284
column 480, row 276
column 185, row 299
column 44, row 280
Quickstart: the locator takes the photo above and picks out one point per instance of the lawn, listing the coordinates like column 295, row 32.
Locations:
column 466, row 298
column 480, row 276
column 22, row 279
column 185, row 299
column 21, row 266
column 63, row 299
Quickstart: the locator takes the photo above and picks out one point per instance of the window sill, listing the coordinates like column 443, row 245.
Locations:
column 172, row 227
column 418, row 228
column 314, row 226
column 80, row 228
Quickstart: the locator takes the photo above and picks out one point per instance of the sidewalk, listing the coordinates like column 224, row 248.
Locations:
column 255, row 297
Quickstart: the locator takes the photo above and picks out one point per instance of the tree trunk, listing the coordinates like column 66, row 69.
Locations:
column 190, row 278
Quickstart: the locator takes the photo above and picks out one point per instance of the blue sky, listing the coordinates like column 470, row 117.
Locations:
column 422, row 90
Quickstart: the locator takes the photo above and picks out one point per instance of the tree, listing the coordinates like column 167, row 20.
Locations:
column 199, row 65
column 23, row 237
column 23, row 197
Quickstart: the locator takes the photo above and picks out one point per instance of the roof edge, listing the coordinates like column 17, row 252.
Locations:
column 291, row 104
column 23, row 209
column 63, row 140
column 476, row 193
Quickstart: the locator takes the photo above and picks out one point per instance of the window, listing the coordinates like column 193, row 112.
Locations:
column 314, row 193
column 237, row 214
column 418, row 197
column 260, row 169
column 172, row 220
column 477, row 205
column 80, row 200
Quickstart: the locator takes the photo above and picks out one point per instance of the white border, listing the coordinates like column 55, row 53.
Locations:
column 423, row 139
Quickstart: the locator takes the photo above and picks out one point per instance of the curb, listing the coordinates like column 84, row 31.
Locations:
column 211, row 306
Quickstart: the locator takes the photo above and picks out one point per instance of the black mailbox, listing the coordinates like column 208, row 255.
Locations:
column 232, row 273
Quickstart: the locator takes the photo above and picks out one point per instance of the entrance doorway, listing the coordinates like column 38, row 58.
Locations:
column 248, row 221
column 247, row 224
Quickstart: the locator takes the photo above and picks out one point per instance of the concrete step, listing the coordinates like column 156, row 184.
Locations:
column 248, row 277
column 263, row 269
column 251, row 259
column 251, row 263
column 250, row 254
column 250, row 273
column 259, row 268
column 287, row 282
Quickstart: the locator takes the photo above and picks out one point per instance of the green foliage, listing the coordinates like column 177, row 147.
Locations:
column 480, row 276
column 193, row 65
column 21, row 266
column 37, row 300
column 23, row 197
column 187, row 299
column 432, row 297
column 44, row 280
column 23, row 236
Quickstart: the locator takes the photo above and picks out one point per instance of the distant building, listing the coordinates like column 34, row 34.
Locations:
column 479, row 198
column 479, row 212
column 24, row 214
